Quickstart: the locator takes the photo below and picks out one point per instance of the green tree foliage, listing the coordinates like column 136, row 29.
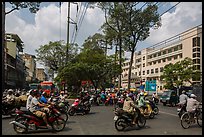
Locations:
column 53, row 54
column 176, row 74
column 130, row 24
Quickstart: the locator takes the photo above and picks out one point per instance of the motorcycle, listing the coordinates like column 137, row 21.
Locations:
column 181, row 109
column 77, row 107
column 26, row 120
column 154, row 107
column 147, row 110
column 9, row 109
column 156, row 100
column 123, row 119
column 119, row 103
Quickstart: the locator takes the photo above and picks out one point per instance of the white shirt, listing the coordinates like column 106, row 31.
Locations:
column 33, row 105
column 191, row 104
column 28, row 103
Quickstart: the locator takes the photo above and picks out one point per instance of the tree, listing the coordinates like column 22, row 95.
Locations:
column 130, row 24
column 182, row 71
column 33, row 7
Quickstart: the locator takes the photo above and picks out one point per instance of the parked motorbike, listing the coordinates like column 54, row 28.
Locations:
column 181, row 109
column 123, row 119
column 147, row 110
column 25, row 120
column 82, row 108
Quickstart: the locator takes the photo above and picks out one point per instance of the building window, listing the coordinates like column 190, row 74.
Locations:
column 139, row 73
column 196, row 67
column 143, row 72
column 152, row 71
column 196, row 41
column 169, row 50
column 150, row 63
column 180, row 47
column 135, row 73
column 169, row 58
column 176, row 48
column 196, row 61
column 175, row 57
column 143, row 57
column 150, row 56
column 159, row 61
column 159, row 53
column 156, row 70
column 147, row 71
column 160, row 87
column 154, row 62
column 143, row 64
column 180, row 55
column 196, row 50
column 161, row 69
column 155, row 55
column 164, row 52
column 164, row 60
column 196, row 55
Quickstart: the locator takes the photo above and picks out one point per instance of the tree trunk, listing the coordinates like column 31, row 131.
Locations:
column 130, row 68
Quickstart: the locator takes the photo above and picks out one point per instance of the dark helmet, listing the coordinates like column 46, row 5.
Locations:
column 35, row 92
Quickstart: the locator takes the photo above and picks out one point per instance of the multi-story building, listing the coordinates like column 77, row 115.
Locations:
column 14, row 65
column 40, row 74
column 148, row 63
column 30, row 63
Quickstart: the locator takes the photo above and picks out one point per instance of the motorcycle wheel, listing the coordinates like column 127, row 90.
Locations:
column 71, row 112
column 151, row 116
column 156, row 110
column 185, row 120
column 120, row 124
column 199, row 119
column 58, row 125
column 87, row 110
column 141, row 121
column 64, row 116
column 20, row 129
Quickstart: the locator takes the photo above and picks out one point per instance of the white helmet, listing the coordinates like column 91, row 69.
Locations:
column 193, row 96
column 141, row 93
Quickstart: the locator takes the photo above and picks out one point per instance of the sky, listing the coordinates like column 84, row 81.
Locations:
column 50, row 23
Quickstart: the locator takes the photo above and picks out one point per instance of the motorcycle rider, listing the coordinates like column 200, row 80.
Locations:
column 141, row 102
column 192, row 104
column 10, row 97
column 183, row 98
column 38, row 108
column 129, row 106
column 28, row 102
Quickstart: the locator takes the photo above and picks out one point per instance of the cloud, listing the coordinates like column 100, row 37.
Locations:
column 186, row 15
column 50, row 25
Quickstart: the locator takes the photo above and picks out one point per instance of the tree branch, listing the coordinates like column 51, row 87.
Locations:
column 11, row 10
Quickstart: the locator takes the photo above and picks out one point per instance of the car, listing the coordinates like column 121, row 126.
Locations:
column 169, row 97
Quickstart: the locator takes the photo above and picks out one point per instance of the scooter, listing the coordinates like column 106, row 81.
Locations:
column 25, row 120
column 147, row 110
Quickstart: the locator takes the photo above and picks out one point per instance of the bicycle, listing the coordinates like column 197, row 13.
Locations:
column 187, row 119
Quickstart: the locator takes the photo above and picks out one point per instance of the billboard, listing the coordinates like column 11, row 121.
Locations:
column 150, row 85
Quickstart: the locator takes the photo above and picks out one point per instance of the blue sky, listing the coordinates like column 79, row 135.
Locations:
column 44, row 26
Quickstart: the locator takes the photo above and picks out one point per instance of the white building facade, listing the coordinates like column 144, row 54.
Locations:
column 148, row 63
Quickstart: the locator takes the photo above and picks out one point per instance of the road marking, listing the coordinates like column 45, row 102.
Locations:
column 168, row 113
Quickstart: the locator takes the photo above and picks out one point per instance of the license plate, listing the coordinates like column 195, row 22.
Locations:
column 115, row 118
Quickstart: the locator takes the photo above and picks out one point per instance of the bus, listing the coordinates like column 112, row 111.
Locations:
column 48, row 87
column 34, row 86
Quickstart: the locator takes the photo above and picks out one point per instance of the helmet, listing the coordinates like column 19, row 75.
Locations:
column 35, row 92
column 193, row 96
column 183, row 91
column 62, row 92
column 77, row 100
column 10, row 91
column 145, row 94
column 130, row 95
column 141, row 93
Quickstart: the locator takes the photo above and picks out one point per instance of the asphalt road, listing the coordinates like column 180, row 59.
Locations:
column 100, row 122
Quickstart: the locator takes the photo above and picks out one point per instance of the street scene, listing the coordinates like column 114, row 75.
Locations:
column 101, row 68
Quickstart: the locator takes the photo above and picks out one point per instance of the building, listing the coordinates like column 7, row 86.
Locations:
column 14, row 64
column 40, row 74
column 148, row 63
column 30, row 63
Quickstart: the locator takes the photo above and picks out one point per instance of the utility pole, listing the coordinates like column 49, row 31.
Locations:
column 68, row 11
